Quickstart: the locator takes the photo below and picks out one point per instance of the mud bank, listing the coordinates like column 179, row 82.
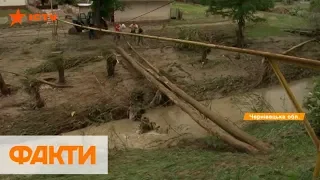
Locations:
column 175, row 124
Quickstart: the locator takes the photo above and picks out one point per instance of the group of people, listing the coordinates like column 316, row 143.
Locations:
column 134, row 28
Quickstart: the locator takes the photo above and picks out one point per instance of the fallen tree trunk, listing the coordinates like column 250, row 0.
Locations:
column 191, row 111
column 225, row 125
column 3, row 86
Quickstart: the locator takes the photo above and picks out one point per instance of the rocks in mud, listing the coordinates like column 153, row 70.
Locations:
column 147, row 126
column 145, row 98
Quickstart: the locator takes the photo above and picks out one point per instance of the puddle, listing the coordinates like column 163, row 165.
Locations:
column 176, row 123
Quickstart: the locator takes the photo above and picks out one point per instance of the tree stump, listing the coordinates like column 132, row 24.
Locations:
column 110, row 65
column 59, row 62
column 32, row 87
column 205, row 53
column 3, row 87
column 35, row 89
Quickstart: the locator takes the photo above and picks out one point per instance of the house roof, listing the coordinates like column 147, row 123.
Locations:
column 85, row 4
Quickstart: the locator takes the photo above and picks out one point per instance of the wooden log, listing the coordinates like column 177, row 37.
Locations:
column 280, row 57
column 3, row 86
column 110, row 65
column 217, row 119
column 191, row 111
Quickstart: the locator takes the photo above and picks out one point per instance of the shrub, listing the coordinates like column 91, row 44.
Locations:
column 312, row 103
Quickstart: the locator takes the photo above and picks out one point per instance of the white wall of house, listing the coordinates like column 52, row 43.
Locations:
column 134, row 9
column 83, row 9
column 13, row 2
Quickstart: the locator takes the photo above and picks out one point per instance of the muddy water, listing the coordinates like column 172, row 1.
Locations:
column 174, row 122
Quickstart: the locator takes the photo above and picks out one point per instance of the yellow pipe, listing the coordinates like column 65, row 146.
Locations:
column 317, row 168
column 294, row 101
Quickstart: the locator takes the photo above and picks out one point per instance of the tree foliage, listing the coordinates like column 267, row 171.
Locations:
column 240, row 11
column 107, row 6
column 237, row 9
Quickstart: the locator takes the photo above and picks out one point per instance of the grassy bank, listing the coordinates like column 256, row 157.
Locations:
column 293, row 158
column 273, row 26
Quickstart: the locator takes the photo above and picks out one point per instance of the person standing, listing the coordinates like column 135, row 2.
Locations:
column 140, row 39
column 122, row 28
column 117, row 28
column 91, row 24
column 133, row 28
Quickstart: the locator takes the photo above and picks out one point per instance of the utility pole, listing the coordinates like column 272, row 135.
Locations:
column 54, row 30
column 97, row 13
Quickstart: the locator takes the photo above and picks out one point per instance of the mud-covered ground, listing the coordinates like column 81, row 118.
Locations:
column 25, row 50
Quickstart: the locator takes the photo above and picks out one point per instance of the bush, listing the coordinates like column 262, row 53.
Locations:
column 315, row 14
column 312, row 103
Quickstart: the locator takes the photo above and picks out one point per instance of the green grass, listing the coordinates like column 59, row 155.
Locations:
column 191, row 11
column 194, row 14
column 5, row 13
column 293, row 158
column 274, row 25
column 294, row 5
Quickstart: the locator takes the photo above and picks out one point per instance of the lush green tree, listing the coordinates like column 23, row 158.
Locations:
column 240, row 11
column 105, row 8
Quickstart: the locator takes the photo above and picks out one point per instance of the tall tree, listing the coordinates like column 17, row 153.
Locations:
column 105, row 8
column 240, row 11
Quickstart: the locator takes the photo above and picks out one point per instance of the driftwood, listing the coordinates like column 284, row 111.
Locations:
column 304, row 32
column 217, row 119
column 191, row 111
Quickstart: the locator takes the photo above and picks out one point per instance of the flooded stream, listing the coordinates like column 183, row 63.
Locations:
column 174, row 122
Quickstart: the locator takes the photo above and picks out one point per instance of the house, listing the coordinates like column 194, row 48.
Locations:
column 84, row 7
column 144, row 11
column 13, row 4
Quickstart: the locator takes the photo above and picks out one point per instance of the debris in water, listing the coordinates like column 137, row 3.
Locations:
column 147, row 126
